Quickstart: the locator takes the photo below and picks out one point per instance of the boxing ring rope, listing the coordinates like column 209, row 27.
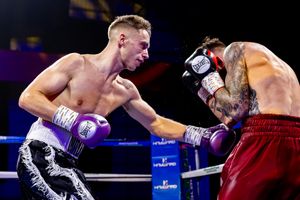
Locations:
column 203, row 172
column 106, row 142
column 115, row 177
column 96, row 177
column 132, row 177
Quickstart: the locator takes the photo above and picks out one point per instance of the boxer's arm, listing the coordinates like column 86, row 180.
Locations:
column 231, row 103
column 158, row 125
column 36, row 98
column 218, row 139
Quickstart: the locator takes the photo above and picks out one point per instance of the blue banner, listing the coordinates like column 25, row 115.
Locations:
column 165, row 169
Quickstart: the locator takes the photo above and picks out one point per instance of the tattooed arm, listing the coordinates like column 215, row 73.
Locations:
column 231, row 103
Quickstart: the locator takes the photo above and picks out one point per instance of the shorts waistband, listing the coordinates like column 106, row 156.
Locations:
column 283, row 125
column 273, row 118
column 55, row 136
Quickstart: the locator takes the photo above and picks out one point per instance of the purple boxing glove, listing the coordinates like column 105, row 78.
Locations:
column 90, row 129
column 218, row 139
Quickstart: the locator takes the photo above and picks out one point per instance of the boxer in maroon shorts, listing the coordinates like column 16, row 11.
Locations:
column 261, row 91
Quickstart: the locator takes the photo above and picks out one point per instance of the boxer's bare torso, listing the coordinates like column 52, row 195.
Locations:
column 257, row 82
column 91, row 91
column 273, row 83
column 79, row 83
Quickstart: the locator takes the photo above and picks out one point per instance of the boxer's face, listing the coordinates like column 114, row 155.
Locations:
column 136, row 49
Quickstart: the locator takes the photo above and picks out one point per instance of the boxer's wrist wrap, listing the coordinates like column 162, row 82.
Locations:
column 64, row 117
column 193, row 135
column 204, row 95
column 212, row 82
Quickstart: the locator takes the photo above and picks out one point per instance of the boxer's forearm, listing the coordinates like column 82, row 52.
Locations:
column 220, row 114
column 168, row 128
column 37, row 104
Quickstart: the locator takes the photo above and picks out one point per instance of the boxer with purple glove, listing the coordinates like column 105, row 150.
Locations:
column 90, row 129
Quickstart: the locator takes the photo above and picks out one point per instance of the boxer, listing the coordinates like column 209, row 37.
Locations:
column 73, row 96
column 261, row 91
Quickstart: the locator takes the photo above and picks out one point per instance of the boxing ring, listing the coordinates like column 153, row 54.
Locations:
column 160, row 190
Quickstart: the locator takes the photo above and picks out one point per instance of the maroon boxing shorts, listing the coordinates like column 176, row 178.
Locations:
column 265, row 164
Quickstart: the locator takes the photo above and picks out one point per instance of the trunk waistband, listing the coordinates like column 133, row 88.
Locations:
column 281, row 125
column 56, row 136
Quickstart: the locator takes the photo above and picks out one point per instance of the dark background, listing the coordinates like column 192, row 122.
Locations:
column 178, row 27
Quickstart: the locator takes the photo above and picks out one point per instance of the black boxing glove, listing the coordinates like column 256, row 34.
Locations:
column 191, row 82
column 195, row 87
column 203, row 65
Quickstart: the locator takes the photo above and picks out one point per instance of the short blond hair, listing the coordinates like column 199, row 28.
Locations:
column 133, row 21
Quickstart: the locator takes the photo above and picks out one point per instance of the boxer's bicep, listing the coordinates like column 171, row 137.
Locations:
column 49, row 82
column 56, row 77
column 36, row 98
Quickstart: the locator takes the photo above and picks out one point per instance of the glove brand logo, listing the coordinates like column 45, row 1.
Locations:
column 200, row 64
column 86, row 129
column 165, row 186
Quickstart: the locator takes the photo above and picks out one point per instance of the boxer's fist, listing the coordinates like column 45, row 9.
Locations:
column 218, row 139
column 195, row 87
column 90, row 129
column 191, row 82
column 203, row 65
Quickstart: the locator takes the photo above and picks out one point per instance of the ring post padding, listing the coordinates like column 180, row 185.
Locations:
column 204, row 183
column 165, row 169
column 189, row 161
column 192, row 159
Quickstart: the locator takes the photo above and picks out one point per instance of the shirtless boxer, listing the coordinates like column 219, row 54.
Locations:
column 71, row 99
column 263, row 92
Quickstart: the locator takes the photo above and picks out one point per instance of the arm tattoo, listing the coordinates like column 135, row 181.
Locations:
column 253, row 107
column 233, row 101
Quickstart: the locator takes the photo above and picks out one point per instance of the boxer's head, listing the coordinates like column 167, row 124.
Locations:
column 131, row 35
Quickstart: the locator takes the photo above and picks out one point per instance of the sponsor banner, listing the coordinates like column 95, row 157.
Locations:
column 165, row 169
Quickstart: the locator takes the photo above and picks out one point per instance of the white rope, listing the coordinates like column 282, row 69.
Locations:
column 8, row 175
column 92, row 176
column 131, row 177
column 121, row 179
column 96, row 177
column 203, row 172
